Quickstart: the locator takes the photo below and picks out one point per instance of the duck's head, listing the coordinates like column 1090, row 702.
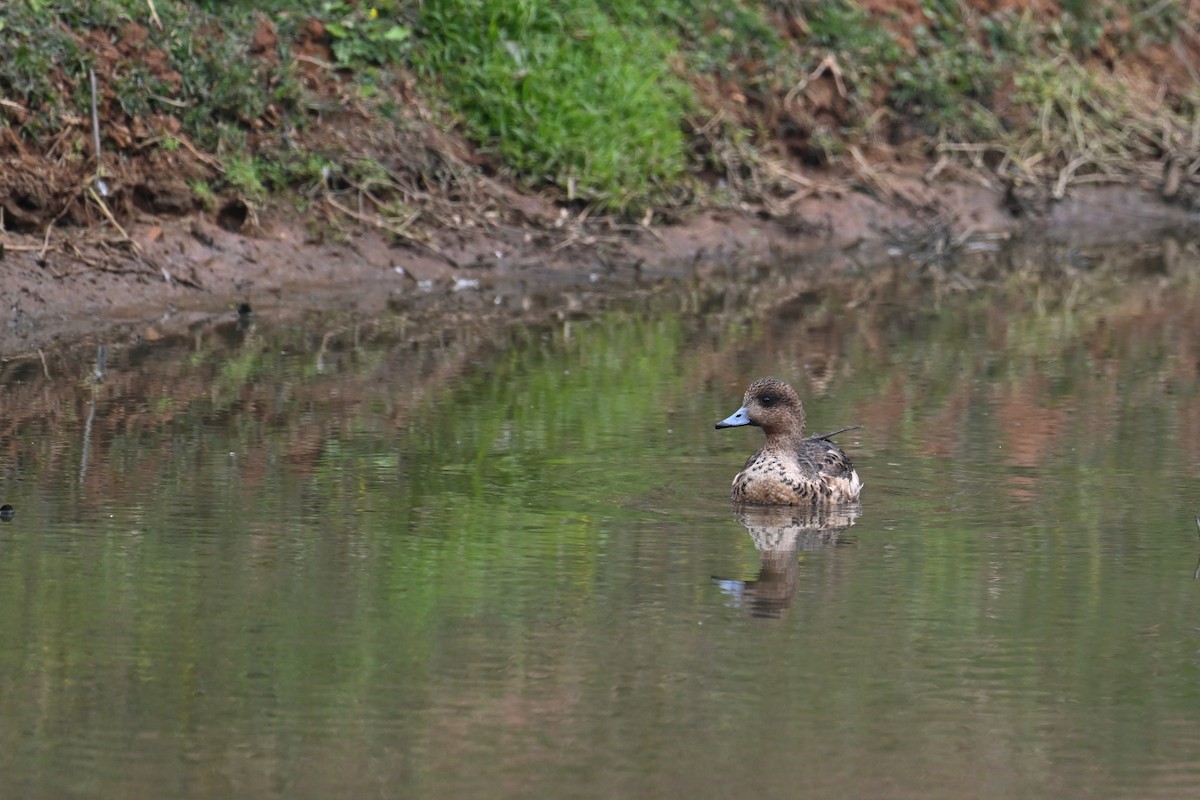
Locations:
column 772, row 405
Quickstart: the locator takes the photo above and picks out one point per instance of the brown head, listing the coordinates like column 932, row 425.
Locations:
column 772, row 405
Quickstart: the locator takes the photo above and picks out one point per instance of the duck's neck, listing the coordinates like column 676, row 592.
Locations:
column 784, row 438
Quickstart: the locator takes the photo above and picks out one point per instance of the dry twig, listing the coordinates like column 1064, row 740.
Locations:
column 154, row 15
column 400, row 231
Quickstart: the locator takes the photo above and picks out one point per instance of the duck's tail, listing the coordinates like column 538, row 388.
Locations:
column 828, row 436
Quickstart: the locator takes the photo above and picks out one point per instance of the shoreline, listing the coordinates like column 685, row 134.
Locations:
column 173, row 272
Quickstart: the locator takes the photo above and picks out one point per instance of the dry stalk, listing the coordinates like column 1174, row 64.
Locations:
column 46, row 241
column 828, row 64
column 1064, row 176
column 315, row 61
column 20, row 248
column 96, row 129
column 401, row 231
column 868, row 174
column 104, row 209
column 201, row 157
column 375, row 220
column 778, row 170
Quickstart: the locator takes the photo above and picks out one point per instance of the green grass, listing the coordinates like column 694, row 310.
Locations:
column 562, row 94
column 724, row 36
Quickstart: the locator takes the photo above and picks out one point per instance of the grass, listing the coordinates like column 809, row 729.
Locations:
column 596, row 103
column 196, row 69
column 562, row 94
column 203, row 77
column 1067, row 115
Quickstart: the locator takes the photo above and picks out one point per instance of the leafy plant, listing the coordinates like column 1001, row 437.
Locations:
column 243, row 174
column 362, row 35
column 204, row 193
column 949, row 72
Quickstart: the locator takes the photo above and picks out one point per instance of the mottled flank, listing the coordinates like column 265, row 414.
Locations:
column 790, row 469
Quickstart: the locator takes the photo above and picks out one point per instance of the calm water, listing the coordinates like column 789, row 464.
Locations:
column 344, row 560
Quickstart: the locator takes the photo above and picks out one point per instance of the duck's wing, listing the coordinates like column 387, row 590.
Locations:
column 826, row 458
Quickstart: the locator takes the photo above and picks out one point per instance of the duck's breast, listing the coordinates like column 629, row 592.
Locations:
column 776, row 479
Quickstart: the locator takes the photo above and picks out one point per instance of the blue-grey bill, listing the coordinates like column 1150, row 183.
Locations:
column 735, row 419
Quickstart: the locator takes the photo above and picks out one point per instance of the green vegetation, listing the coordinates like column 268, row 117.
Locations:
column 566, row 95
column 623, row 106
column 373, row 37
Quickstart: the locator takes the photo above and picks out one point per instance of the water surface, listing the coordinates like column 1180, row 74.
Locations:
column 338, row 559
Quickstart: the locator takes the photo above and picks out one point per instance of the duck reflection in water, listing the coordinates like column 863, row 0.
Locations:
column 780, row 533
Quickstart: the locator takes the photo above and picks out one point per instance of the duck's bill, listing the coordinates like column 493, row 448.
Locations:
column 735, row 419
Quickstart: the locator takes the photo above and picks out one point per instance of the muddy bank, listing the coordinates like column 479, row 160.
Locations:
column 170, row 273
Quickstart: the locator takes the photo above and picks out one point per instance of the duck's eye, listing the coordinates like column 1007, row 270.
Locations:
column 768, row 400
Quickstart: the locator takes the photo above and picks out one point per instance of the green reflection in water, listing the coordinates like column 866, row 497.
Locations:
column 300, row 564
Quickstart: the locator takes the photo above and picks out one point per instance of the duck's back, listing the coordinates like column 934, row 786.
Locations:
column 815, row 472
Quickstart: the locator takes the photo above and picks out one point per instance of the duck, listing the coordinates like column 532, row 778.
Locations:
column 791, row 469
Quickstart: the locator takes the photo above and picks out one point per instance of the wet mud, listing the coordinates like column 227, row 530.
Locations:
column 165, row 275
